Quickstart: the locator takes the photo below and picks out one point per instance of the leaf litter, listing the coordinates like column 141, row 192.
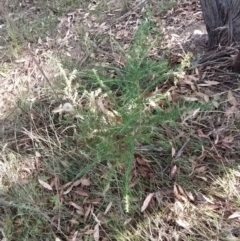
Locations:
column 198, row 85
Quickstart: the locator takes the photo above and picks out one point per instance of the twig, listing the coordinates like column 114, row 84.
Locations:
column 179, row 153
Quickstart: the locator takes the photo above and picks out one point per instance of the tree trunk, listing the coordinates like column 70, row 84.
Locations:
column 222, row 19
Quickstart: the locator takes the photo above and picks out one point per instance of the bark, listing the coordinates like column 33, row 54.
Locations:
column 222, row 19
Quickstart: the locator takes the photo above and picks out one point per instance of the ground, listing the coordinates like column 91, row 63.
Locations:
column 117, row 123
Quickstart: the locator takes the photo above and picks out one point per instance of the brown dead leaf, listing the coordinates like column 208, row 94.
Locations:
column 209, row 83
column 100, row 103
column 73, row 221
column 159, row 197
column 147, row 201
column 80, row 212
column 143, row 171
column 190, row 196
column 96, row 232
column 77, row 183
column 203, row 96
column 173, row 150
column 190, row 83
column 181, row 190
column 93, row 201
column 77, row 207
column 85, row 182
column 101, row 219
column 142, row 161
column 66, row 185
column 190, row 115
column 194, row 164
column 201, row 134
column 192, row 77
column 55, row 182
column 231, row 99
column 82, row 192
column 178, row 207
column 203, row 75
column 68, row 190
column 45, row 185
column 235, row 215
column 228, row 139
column 89, row 209
column 169, row 97
column 74, row 237
column 108, row 208
column 190, row 98
column 173, row 96
column 200, row 169
column 104, row 239
column 202, row 198
column 215, row 104
column 179, row 193
column 213, row 206
column 174, row 171
column 202, row 178
column 183, row 223
column 232, row 111
column 88, row 232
